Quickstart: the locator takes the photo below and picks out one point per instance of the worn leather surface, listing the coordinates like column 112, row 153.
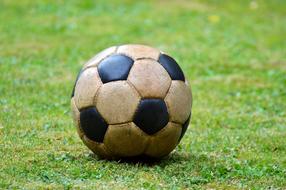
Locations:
column 125, row 140
column 117, row 102
column 75, row 116
column 94, row 61
column 115, row 67
column 98, row 148
column 151, row 115
column 92, row 124
column 86, row 88
column 164, row 141
column 137, row 51
column 77, row 77
column 179, row 101
column 171, row 67
column 75, row 112
column 185, row 126
column 149, row 78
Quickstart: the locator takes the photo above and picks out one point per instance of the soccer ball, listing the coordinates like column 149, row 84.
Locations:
column 131, row 100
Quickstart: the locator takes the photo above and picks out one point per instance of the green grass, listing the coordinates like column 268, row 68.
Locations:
column 233, row 53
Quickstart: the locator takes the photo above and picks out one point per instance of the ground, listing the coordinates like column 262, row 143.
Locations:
column 233, row 53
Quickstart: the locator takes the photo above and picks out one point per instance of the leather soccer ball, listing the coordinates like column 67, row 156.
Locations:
column 131, row 100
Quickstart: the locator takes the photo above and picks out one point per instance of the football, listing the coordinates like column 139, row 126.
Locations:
column 131, row 100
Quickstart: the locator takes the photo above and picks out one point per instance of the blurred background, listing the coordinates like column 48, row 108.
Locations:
column 233, row 53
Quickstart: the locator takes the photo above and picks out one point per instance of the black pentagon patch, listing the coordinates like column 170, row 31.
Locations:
column 185, row 127
column 171, row 67
column 92, row 124
column 115, row 67
column 151, row 115
column 78, row 75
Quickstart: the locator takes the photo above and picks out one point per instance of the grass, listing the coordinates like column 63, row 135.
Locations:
column 233, row 53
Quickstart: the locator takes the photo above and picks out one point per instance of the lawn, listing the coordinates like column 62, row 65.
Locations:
column 232, row 52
